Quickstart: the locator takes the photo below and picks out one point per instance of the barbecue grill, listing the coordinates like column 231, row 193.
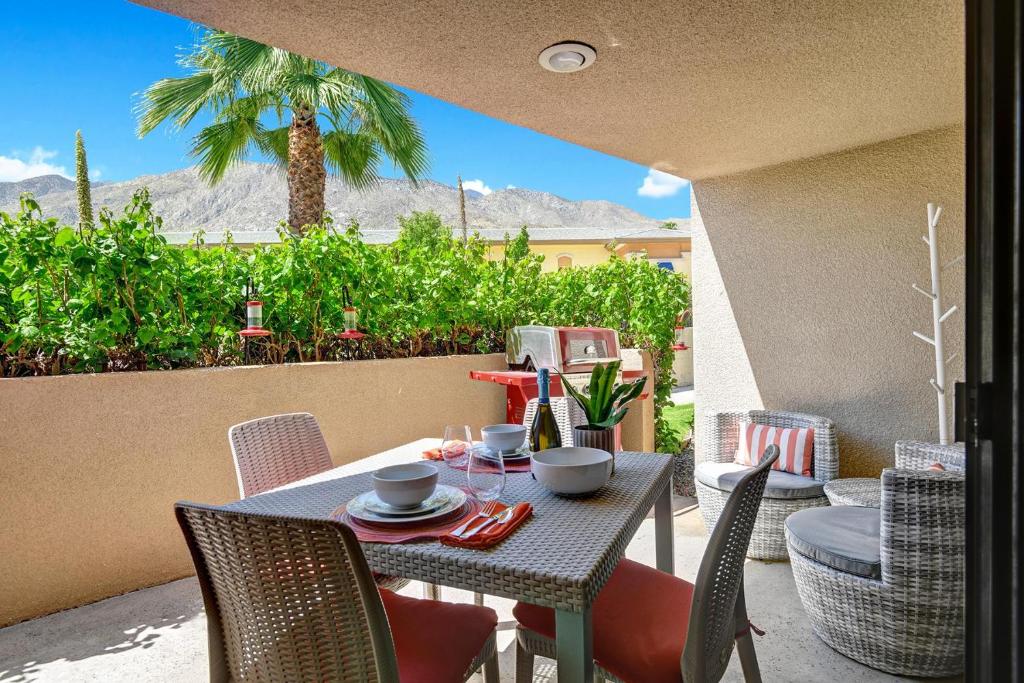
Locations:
column 571, row 351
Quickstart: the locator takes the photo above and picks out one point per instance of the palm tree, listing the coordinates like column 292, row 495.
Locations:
column 243, row 83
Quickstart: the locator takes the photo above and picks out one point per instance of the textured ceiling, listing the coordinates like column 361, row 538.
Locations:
column 697, row 88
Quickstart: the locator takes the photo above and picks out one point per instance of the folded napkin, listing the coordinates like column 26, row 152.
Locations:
column 494, row 533
column 435, row 453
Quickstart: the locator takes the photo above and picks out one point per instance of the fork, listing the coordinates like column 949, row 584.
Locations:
column 501, row 518
column 486, row 512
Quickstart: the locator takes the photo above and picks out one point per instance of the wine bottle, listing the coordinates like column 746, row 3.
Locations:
column 544, row 431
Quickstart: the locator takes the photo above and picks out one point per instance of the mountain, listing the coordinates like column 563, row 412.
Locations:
column 39, row 186
column 253, row 197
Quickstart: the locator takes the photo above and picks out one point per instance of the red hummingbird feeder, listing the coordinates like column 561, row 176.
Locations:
column 351, row 318
column 253, row 321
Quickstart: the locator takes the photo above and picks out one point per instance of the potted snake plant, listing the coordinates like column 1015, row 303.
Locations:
column 605, row 404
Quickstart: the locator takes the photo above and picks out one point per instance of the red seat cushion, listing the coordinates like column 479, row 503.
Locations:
column 640, row 620
column 435, row 641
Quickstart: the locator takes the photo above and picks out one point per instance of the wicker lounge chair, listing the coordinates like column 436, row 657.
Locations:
column 784, row 493
column 291, row 599
column 886, row 588
column 273, row 451
column 649, row 625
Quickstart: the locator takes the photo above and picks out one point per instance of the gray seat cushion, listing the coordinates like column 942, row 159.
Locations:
column 725, row 475
column 842, row 537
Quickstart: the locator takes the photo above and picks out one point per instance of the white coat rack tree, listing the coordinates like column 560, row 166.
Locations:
column 938, row 318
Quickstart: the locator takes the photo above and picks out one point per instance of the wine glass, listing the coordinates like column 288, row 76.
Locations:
column 455, row 445
column 486, row 473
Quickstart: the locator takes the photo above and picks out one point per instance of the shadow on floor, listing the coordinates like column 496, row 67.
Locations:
column 135, row 621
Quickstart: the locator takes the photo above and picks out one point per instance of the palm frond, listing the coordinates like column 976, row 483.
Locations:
column 353, row 156
column 303, row 89
column 179, row 99
column 274, row 143
column 254, row 65
column 383, row 112
column 248, row 107
column 223, row 144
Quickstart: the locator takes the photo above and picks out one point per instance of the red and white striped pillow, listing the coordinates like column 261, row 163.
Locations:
column 796, row 446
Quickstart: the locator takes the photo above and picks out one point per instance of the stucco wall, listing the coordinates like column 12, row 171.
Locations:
column 90, row 465
column 802, row 290
column 93, row 463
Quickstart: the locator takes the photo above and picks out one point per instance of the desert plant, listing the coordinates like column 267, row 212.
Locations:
column 82, row 183
column 607, row 403
column 462, row 212
column 239, row 80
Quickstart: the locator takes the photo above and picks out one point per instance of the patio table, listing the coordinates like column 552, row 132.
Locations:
column 857, row 491
column 560, row 559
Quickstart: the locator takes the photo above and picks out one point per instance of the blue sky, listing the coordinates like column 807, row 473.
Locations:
column 81, row 65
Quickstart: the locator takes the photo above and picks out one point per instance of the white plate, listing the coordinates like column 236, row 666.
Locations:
column 372, row 502
column 358, row 509
column 517, row 455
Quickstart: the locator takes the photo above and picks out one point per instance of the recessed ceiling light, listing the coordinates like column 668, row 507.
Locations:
column 565, row 58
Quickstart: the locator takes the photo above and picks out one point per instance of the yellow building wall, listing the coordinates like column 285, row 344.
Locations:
column 582, row 254
column 591, row 254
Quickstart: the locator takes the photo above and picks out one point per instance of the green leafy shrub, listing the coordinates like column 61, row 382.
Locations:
column 115, row 296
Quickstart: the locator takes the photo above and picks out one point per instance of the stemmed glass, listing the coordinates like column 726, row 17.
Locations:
column 455, row 445
column 486, row 473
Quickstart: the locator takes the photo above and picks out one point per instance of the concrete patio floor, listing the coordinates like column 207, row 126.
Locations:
column 159, row 634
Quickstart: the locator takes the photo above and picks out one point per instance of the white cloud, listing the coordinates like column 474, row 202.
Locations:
column 476, row 186
column 659, row 184
column 510, row 187
column 16, row 167
column 95, row 174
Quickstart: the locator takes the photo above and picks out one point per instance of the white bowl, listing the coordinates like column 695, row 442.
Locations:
column 572, row 470
column 405, row 486
column 504, row 437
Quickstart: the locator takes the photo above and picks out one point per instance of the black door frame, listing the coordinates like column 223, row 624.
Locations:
column 993, row 428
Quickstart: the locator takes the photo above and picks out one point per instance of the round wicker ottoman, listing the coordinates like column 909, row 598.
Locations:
column 865, row 493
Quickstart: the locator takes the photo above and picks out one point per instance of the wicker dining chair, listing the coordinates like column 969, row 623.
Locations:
column 652, row 626
column 273, row 451
column 886, row 587
column 785, row 493
column 290, row 599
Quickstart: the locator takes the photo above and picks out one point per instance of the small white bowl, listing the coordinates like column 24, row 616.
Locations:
column 405, row 486
column 572, row 470
column 504, row 437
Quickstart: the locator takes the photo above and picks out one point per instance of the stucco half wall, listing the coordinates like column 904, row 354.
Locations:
column 92, row 464
column 802, row 290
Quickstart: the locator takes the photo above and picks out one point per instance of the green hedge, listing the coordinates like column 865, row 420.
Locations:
column 118, row 297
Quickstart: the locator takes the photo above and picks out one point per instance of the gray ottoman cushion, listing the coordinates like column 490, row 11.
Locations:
column 725, row 475
column 842, row 537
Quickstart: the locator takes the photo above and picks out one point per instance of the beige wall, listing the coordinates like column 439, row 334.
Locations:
column 93, row 463
column 802, row 290
column 90, row 465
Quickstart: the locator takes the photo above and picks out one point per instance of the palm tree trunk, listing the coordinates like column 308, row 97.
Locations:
column 306, row 172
